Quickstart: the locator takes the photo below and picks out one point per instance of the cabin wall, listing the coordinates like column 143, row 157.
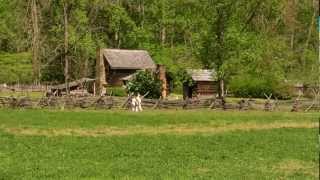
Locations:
column 114, row 77
column 204, row 88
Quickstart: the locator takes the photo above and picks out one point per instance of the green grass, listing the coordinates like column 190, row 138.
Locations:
column 93, row 119
column 117, row 91
column 285, row 153
column 34, row 95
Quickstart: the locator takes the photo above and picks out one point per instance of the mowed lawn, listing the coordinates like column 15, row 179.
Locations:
column 44, row 144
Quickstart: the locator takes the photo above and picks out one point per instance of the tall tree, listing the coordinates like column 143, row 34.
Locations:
column 215, row 49
column 36, row 64
column 66, row 43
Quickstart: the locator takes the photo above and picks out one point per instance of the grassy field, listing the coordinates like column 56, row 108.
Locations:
column 37, row 144
column 35, row 95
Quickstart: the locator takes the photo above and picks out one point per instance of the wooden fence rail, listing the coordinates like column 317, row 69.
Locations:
column 124, row 103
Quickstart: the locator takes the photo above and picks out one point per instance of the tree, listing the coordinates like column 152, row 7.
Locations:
column 244, row 38
column 215, row 48
column 66, row 43
column 35, row 41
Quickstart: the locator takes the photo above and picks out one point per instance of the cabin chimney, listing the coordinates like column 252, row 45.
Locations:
column 100, row 72
column 163, row 79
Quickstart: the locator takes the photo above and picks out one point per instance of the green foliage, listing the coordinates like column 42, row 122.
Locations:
column 251, row 38
column 15, row 68
column 184, row 78
column 12, row 31
column 145, row 82
column 254, row 70
column 256, row 87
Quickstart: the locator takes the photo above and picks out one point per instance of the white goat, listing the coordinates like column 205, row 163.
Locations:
column 134, row 104
column 138, row 99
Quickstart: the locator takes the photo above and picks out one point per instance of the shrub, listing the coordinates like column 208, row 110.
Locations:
column 256, row 87
column 144, row 82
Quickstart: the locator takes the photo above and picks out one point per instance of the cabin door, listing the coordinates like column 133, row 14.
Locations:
column 187, row 91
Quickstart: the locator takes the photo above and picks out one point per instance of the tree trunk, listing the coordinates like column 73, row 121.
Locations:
column 311, row 27
column 319, row 55
column 117, row 33
column 86, row 68
column 163, row 35
column 172, row 38
column 221, row 88
column 35, row 41
column 116, row 38
column 142, row 11
column 66, row 42
column 292, row 39
column 309, row 33
column 163, row 26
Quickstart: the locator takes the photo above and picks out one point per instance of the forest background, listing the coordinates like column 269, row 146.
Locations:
column 256, row 46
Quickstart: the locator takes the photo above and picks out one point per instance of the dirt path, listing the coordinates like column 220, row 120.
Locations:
column 147, row 130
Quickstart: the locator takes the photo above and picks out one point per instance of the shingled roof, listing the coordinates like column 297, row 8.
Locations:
column 128, row 59
column 72, row 84
column 202, row 74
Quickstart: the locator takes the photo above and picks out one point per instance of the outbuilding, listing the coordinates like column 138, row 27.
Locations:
column 205, row 83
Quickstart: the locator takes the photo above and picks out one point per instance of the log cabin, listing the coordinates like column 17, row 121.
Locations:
column 205, row 83
column 116, row 66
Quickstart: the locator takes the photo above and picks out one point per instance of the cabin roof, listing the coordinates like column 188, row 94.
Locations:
column 202, row 74
column 72, row 84
column 128, row 77
column 128, row 59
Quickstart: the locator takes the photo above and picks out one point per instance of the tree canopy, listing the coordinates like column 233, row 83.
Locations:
column 273, row 41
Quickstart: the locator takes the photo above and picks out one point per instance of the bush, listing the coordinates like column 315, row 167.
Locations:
column 256, row 87
column 144, row 82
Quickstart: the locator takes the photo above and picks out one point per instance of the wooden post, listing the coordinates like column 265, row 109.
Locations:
column 268, row 105
column 223, row 103
column 241, row 104
column 186, row 102
column 213, row 103
column 82, row 85
column 94, row 88
column 124, row 104
column 295, row 106
column 316, row 95
column 157, row 103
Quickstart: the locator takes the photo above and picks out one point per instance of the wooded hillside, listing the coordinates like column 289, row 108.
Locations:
column 251, row 43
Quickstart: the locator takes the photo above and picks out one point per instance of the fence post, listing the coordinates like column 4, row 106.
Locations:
column 185, row 104
column 157, row 103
